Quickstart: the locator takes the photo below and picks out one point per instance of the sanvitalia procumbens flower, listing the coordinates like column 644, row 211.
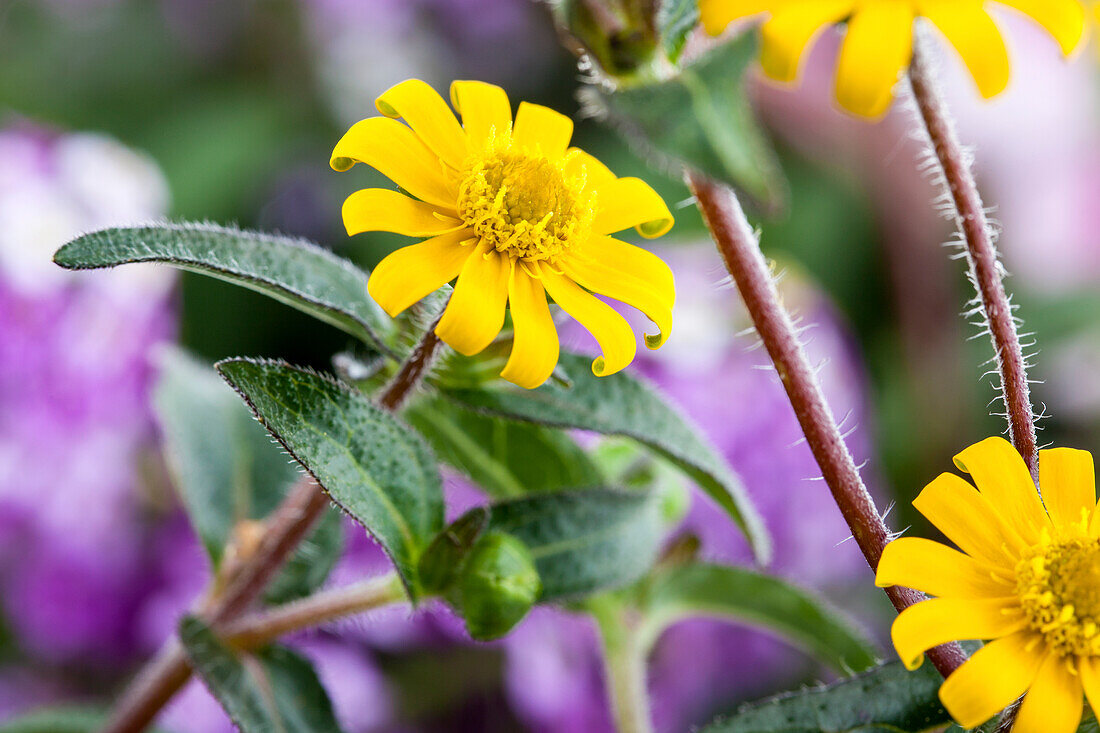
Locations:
column 516, row 215
column 878, row 45
column 1027, row 578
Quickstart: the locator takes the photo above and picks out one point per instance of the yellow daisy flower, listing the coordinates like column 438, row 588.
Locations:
column 516, row 215
column 1027, row 577
column 879, row 42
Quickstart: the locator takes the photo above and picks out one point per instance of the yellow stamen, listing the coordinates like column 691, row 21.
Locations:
column 1059, row 588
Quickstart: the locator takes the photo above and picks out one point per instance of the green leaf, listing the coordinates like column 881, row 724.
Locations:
column 292, row 271
column 61, row 720
column 702, row 118
column 887, row 699
column 581, row 541
column 744, row 596
column 227, row 470
column 377, row 469
column 622, row 405
column 271, row 691
column 676, row 19
column 506, row 458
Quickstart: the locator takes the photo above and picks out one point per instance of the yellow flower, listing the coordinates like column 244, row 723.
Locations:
column 1028, row 577
column 516, row 215
column 879, row 42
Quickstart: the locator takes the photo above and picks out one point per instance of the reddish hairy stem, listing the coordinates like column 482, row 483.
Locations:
column 291, row 521
column 741, row 251
column 985, row 268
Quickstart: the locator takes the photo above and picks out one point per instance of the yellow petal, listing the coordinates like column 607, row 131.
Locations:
column 976, row 37
column 428, row 116
column 989, row 681
column 535, row 346
column 610, row 329
column 1053, row 703
column 940, row 620
column 1064, row 19
column 541, row 130
column 717, row 14
column 382, row 210
column 475, row 314
column 1000, row 474
column 791, row 28
column 968, row 519
column 411, row 273
column 1089, row 669
column 939, row 570
column 1067, row 479
column 579, row 164
column 631, row 202
column 395, row 151
column 628, row 274
column 485, row 110
column 877, row 48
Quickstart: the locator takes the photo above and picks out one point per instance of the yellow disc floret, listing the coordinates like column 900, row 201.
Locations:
column 1059, row 586
column 524, row 205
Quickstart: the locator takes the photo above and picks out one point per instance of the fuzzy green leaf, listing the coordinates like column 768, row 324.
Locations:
column 743, row 596
column 61, row 720
column 506, row 458
column 887, row 699
column 292, row 271
column 581, row 541
column 271, row 691
column 676, row 19
column 227, row 469
column 623, row 405
column 372, row 465
column 702, row 118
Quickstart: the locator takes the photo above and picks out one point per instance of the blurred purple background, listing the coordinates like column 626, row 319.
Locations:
column 122, row 111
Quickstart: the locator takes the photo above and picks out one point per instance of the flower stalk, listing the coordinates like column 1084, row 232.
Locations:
column 624, row 659
column 740, row 249
column 986, row 271
column 290, row 523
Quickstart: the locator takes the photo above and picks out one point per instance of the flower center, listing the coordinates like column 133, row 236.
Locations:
column 1059, row 587
column 523, row 205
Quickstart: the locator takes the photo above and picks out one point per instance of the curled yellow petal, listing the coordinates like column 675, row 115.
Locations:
column 1000, row 474
column 405, row 276
column 382, row 210
column 968, row 519
column 628, row 274
column 579, row 164
column 631, row 202
column 876, row 49
column 1067, row 481
column 610, row 329
column 1053, row 702
column 541, row 130
column 475, row 314
column 789, row 31
column 934, row 568
column 396, row 152
column 940, row 620
column 535, row 345
column 992, row 679
column 486, row 112
column 1063, row 19
column 428, row 116
column 717, row 14
column 1089, row 669
column 977, row 39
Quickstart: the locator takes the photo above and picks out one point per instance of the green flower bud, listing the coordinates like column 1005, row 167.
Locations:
column 497, row 586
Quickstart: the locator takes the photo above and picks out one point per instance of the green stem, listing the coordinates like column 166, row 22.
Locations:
column 624, row 665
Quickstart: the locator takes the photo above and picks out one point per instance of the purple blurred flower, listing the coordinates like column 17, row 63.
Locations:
column 73, row 381
column 554, row 670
